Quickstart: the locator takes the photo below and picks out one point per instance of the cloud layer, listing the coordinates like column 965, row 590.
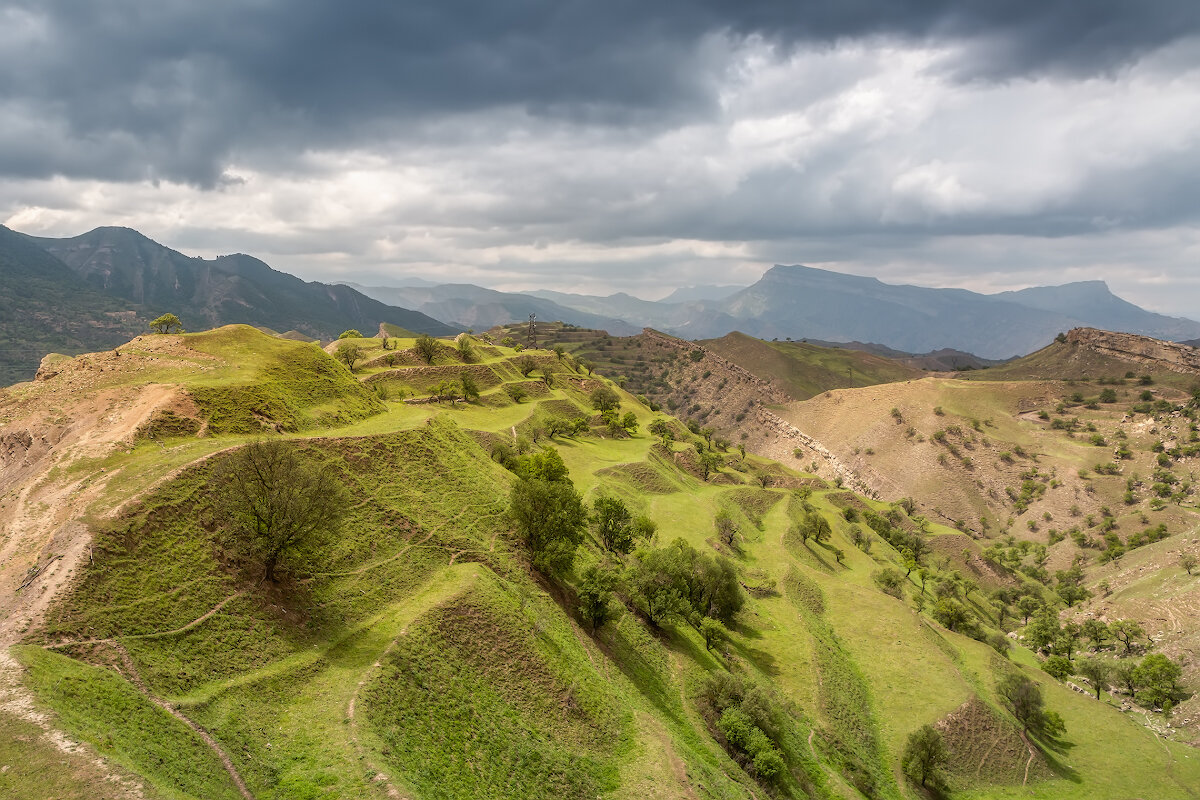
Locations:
column 620, row 145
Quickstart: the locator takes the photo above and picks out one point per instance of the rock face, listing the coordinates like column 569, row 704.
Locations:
column 1176, row 357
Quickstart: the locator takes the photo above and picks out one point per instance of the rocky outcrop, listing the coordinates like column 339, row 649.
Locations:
column 1153, row 353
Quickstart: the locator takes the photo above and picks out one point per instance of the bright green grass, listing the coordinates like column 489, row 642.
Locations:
column 493, row 697
column 111, row 715
column 485, row 686
column 32, row 768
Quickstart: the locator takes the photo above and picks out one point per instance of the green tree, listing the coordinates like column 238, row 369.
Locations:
column 714, row 633
column 709, row 462
column 278, row 499
column 1128, row 633
column 653, row 587
column 1044, row 629
column 1058, row 667
column 1023, row 698
column 350, row 334
column 644, row 527
column 727, row 530
column 465, row 352
column 1188, row 562
column 613, row 524
column 662, row 429
column 924, row 755
column 1159, row 678
column 952, row 614
column 525, row 365
column 1097, row 671
column 1029, row 605
column 167, row 323
column 1068, row 638
column 546, row 465
column 348, row 354
column 426, row 347
column 629, row 423
column 1096, row 632
column 1070, row 585
column 470, row 389
column 595, row 596
column 1108, row 396
column 550, row 517
column 605, row 398
column 1125, row 675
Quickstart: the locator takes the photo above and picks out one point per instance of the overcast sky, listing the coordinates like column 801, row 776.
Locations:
column 621, row 144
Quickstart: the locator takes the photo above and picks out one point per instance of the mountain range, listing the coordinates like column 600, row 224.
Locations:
column 476, row 307
column 117, row 279
column 95, row 290
column 801, row 302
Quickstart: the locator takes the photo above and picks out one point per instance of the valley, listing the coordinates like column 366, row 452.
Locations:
column 420, row 653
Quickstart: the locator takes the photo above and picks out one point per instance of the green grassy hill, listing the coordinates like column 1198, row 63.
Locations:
column 415, row 652
column 805, row 370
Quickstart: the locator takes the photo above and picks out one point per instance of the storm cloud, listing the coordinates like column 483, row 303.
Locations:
column 619, row 145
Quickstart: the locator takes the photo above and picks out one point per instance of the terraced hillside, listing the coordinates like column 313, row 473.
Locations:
column 749, row 630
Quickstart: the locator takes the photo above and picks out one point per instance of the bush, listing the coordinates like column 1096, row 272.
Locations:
column 1058, row 668
column 890, row 581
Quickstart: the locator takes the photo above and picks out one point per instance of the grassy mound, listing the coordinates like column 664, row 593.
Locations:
column 493, row 697
column 271, row 383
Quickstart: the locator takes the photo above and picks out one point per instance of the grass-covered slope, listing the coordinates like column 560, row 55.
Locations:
column 805, row 370
column 416, row 653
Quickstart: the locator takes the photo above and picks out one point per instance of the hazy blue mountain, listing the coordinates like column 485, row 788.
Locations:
column 805, row 303
column 205, row 293
column 476, row 307
column 699, row 294
column 1097, row 307
column 801, row 301
column 619, row 306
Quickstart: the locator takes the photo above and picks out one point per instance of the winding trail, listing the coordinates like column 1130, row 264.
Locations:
column 450, row 583
column 113, row 640
column 1028, row 763
column 136, row 679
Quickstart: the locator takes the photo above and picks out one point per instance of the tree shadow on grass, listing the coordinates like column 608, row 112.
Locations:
column 760, row 658
column 832, row 551
column 1049, row 746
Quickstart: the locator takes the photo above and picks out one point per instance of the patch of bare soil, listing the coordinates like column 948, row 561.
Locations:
column 79, row 408
column 985, row 748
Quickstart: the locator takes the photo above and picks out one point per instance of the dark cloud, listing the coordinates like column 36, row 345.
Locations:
column 128, row 90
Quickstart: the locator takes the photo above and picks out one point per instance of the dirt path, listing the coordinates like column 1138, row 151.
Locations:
column 380, row 776
column 18, row 701
column 458, row 586
column 43, row 543
column 135, row 678
column 155, row 635
column 1032, row 755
